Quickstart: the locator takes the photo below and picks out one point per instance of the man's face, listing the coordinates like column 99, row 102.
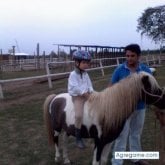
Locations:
column 132, row 58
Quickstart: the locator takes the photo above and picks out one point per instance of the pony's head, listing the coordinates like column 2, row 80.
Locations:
column 152, row 93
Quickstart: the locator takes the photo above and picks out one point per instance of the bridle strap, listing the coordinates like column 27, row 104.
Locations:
column 150, row 94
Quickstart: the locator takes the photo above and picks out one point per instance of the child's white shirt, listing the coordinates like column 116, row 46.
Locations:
column 79, row 84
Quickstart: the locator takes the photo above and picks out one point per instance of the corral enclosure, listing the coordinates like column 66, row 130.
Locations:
column 23, row 138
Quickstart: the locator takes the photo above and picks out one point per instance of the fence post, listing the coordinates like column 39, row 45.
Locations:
column 159, row 59
column 49, row 77
column 153, row 59
column 44, row 59
column 101, row 65
column 1, row 92
column 147, row 60
column 117, row 60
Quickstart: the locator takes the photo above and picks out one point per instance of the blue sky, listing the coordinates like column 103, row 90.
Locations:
column 98, row 22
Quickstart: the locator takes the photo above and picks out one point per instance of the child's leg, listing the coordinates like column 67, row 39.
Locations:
column 79, row 108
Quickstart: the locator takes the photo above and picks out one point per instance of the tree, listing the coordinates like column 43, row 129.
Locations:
column 152, row 24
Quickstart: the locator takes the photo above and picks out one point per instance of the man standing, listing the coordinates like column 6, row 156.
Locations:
column 134, row 125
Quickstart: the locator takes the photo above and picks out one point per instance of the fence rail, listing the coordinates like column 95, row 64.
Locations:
column 101, row 66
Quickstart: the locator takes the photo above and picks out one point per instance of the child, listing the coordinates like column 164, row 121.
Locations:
column 79, row 87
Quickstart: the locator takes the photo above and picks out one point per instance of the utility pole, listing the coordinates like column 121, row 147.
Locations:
column 13, row 57
column 1, row 56
column 38, row 56
column 17, row 46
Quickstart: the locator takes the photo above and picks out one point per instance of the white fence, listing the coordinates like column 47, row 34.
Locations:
column 153, row 60
column 24, row 64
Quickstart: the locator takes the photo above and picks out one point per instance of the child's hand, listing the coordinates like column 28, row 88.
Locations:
column 86, row 95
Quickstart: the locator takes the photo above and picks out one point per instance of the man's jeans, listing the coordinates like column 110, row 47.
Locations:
column 132, row 131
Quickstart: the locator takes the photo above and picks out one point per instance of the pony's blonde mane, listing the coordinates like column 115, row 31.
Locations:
column 116, row 103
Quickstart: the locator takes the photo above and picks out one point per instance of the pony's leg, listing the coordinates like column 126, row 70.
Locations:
column 94, row 157
column 102, row 152
column 65, row 149
column 57, row 152
column 105, row 153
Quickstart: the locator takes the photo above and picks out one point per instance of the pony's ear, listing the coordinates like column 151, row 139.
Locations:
column 146, row 82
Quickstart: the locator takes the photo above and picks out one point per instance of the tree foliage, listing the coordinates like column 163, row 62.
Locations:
column 152, row 24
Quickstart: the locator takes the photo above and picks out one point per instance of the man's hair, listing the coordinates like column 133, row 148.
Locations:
column 134, row 48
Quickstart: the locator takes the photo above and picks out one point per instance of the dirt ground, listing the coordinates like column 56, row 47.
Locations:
column 20, row 87
column 26, row 94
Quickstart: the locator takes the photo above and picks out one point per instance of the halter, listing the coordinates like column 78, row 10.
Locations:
column 150, row 94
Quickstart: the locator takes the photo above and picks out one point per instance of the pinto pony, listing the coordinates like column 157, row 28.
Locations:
column 105, row 113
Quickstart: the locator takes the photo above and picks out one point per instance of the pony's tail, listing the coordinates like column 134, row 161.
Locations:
column 47, row 119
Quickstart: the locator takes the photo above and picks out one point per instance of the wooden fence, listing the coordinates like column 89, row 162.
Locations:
column 98, row 64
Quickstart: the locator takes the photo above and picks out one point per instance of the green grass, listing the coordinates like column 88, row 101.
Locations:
column 23, row 140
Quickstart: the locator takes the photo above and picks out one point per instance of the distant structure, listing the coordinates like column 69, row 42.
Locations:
column 19, row 56
column 96, row 50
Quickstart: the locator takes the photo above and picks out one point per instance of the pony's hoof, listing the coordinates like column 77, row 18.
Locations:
column 67, row 161
column 57, row 159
